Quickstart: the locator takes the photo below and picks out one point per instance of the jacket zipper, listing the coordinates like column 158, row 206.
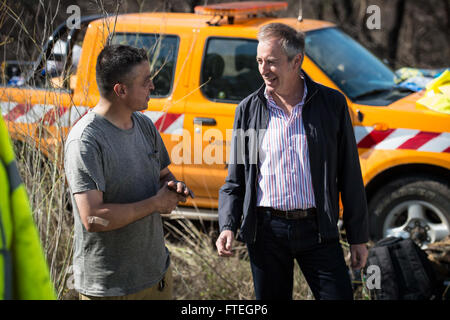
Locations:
column 256, row 180
column 256, row 188
column 319, row 236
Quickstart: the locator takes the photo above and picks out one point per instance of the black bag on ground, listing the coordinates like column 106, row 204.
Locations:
column 406, row 273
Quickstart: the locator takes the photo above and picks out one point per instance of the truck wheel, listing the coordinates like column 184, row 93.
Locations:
column 411, row 208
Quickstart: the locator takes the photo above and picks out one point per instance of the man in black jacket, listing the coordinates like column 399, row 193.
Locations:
column 293, row 151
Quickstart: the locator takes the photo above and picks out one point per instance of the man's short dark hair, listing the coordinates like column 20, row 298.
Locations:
column 114, row 63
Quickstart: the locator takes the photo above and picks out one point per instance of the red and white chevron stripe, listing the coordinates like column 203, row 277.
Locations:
column 171, row 123
column 47, row 114
column 394, row 139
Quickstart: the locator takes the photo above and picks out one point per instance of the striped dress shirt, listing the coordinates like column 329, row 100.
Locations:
column 284, row 179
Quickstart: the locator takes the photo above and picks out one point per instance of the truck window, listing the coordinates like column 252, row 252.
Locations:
column 229, row 71
column 162, row 51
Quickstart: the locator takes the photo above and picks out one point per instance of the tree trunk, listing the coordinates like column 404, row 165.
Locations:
column 395, row 31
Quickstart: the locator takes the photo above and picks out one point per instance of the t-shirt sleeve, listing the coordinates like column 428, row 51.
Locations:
column 83, row 166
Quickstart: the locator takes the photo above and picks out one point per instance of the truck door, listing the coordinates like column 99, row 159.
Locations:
column 225, row 72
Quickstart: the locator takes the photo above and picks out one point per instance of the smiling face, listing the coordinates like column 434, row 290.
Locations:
column 279, row 74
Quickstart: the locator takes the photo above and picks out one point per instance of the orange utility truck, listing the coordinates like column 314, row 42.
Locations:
column 204, row 63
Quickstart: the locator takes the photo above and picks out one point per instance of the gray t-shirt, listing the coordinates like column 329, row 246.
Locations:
column 125, row 165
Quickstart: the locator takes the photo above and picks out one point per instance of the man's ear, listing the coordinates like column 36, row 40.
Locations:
column 298, row 59
column 120, row 90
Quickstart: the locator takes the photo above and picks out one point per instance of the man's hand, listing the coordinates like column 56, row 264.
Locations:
column 168, row 199
column 359, row 255
column 181, row 188
column 224, row 243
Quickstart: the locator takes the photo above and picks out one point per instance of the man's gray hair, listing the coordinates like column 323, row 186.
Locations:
column 292, row 41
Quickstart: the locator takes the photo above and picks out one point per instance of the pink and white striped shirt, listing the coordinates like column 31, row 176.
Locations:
column 284, row 179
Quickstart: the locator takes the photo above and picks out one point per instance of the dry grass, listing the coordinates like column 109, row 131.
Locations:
column 47, row 193
column 198, row 271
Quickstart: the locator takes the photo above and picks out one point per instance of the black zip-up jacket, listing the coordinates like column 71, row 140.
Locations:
column 333, row 160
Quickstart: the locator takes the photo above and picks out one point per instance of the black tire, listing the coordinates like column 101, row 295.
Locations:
column 391, row 206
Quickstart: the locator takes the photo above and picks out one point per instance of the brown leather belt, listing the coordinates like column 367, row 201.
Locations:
column 291, row 214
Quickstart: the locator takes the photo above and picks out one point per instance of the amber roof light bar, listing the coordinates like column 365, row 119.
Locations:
column 234, row 9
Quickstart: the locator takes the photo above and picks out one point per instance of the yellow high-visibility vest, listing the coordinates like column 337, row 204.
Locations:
column 23, row 269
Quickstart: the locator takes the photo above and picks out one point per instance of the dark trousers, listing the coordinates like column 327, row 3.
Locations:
column 279, row 242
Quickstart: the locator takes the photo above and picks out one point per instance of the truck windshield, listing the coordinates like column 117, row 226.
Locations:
column 357, row 72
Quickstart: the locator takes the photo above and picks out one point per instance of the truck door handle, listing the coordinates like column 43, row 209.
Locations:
column 205, row 121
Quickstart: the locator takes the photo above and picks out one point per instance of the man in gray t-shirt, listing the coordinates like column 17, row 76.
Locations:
column 116, row 167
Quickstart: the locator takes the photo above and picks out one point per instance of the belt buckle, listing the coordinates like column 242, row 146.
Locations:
column 292, row 215
column 304, row 213
column 300, row 214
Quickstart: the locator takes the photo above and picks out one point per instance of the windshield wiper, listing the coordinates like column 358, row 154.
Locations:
column 381, row 90
column 371, row 93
